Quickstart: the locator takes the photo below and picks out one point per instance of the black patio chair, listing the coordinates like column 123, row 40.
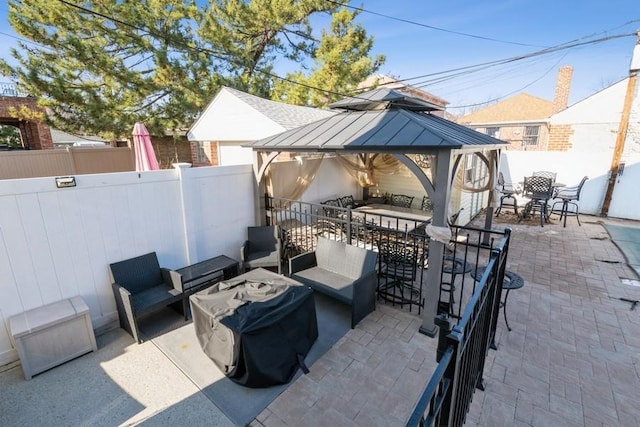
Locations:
column 508, row 192
column 538, row 190
column 568, row 201
column 346, row 201
column 140, row 287
column 546, row 174
column 263, row 248
column 426, row 204
column 401, row 200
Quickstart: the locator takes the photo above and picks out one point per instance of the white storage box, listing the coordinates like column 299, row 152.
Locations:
column 50, row 335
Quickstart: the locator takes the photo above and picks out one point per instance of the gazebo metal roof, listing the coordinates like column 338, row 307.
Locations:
column 394, row 130
column 382, row 120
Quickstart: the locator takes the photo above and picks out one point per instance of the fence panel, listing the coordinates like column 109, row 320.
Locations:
column 71, row 161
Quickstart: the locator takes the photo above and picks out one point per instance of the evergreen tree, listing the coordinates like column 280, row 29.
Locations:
column 98, row 66
column 341, row 62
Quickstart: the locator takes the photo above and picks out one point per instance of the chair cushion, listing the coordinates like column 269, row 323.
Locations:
column 154, row 298
column 262, row 258
column 317, row 277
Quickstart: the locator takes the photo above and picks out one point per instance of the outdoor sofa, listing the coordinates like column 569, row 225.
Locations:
column 344, row 272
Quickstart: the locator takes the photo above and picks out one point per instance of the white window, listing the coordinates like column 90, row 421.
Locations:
column 530, row 135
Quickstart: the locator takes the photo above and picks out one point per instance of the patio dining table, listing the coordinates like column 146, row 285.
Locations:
column 393, row 217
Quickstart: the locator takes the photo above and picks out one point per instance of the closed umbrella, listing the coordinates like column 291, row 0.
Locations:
column 145, row 156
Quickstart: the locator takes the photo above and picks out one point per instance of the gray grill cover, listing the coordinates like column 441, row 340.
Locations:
column 257, row 328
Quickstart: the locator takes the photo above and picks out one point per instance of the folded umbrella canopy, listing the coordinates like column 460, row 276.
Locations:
column 145, row 156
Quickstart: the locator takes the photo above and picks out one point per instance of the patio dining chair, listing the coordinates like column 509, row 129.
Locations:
column 538, row 190
column 566, row 202
column 546, row 174
column 346, row 201
column 508, row 192
column 401, row 200
column 427, row 204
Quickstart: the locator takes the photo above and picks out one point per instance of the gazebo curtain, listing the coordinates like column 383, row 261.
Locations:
column 366, row 166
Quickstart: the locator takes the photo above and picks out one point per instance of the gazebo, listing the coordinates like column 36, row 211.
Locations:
column 390, row 122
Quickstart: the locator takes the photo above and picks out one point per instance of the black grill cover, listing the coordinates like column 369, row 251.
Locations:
column 257, row 328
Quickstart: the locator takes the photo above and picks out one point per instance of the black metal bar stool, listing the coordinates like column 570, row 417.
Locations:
column 453, row 266
column 511, row 281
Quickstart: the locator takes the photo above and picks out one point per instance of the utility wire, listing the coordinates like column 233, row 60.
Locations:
column 515, row 91
column 431, row 27
column 456, row 71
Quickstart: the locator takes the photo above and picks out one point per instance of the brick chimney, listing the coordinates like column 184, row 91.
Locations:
column 563, row 84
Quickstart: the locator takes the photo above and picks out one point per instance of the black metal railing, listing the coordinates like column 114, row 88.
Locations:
column 402, row 242
column 465, row 339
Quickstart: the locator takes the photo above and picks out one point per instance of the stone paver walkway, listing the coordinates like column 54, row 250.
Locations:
column 572, row 358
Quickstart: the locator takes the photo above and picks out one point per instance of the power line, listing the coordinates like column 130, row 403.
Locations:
column 517, row 90
column 431, row 27
column 452, row 72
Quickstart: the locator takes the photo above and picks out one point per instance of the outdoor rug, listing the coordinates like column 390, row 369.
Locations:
column 177, row 340
column 628, row 241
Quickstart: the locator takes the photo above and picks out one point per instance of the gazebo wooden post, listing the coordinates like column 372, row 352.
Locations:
column 261, row 161
column 440, row 199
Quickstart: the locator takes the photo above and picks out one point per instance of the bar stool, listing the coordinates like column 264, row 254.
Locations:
column 511, row 282
column 453, row 266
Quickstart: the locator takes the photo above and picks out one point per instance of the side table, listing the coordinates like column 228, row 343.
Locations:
column 203, row 274
column 511, row 281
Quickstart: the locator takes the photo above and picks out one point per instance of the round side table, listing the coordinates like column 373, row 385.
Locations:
column 511, row 281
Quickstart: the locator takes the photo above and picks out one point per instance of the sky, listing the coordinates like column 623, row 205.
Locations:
column 518, row 27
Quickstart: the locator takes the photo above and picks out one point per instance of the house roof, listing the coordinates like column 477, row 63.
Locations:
column 60, row 137
column 519, row 108
column 390, row 130
column 227, row 115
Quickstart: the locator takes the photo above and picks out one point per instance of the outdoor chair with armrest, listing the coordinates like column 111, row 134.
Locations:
column 546, row 174
column 346, row 201
column 567, row 198
column 263, row 248
column 538, row 190
column 507, row 191
column 426, row 205
column 140, row 287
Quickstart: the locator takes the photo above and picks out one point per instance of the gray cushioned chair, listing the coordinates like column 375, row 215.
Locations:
column 263, row 248
column 141, row 286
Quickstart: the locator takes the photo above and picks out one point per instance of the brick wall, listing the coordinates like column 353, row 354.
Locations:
column 210, row 151
column 171, row 150
column 35, row 135
column 559, row 137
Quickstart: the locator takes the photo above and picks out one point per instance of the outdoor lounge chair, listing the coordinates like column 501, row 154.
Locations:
column 140, row 287
column 263, row 248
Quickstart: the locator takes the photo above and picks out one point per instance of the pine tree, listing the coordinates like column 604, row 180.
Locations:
column 341, row 62
column 98, row 66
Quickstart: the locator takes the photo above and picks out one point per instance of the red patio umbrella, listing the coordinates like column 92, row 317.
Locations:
column 145, row 156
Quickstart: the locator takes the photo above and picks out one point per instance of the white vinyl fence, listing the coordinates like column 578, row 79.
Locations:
column 571, row 167
column 57, row 243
